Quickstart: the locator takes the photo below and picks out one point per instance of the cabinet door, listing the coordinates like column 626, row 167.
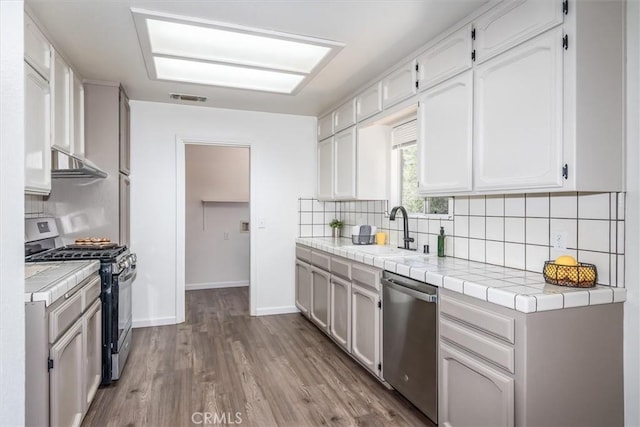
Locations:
column 125, row 131
column 471, row 393
column 445, row 131
column 320, row 298
column 345, row 165
column 365, row 327
column 340, row 324
column 92, row 324
column 61, row 89
column 518, row 117
column 399, row 85
column 369, row 102
column 303, row 287
column 37, row 49
column 325, row 126
column 37, row 133
column 345, row 115
column 325, row 169
column 66, row 379
column 513, row 22
column 445, row 59
column 78, row 116
column 125, row 210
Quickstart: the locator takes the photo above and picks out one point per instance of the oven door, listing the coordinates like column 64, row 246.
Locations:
column 122, row 308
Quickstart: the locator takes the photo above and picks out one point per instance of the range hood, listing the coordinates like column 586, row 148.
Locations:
column 67, row 165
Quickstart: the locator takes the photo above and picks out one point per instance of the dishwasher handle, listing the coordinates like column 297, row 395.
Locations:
column 391, row 283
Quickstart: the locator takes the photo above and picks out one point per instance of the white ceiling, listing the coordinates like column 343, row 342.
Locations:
column 99, row 38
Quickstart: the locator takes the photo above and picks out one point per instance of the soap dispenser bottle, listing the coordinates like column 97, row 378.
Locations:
column 441, row 242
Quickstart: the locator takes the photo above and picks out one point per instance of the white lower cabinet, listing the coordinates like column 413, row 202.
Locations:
column 92, row 325
column 340, row 313
column 319, row 312
column 471, row 393
column 445, row 135
column 303, row 287
column 365, row 321
column 66, row 378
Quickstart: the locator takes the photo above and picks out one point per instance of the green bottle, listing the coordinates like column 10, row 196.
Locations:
column 441, row 242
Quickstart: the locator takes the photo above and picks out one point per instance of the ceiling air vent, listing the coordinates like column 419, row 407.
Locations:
column 185, row 97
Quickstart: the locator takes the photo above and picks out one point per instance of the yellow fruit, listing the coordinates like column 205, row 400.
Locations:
column 550, row 270
column 566, row 260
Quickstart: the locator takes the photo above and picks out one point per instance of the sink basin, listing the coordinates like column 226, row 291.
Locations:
column 380, row 251
column 415, row 260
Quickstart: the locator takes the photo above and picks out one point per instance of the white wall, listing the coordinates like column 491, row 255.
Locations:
column 216, row 250
column 12, row 331
column 282, row 157
column 632, row 273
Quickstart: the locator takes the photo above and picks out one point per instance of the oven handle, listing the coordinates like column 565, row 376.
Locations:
column 431, row 298
column 128, row 278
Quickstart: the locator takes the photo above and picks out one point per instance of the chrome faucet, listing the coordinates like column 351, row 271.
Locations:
column 405, row 224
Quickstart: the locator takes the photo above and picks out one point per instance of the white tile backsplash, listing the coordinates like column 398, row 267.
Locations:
column 505, row 230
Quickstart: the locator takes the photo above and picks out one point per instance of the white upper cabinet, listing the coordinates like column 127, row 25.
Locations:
column 369, row 102
column 445, row 59
column 325, row 126
column 399, row 85
column 325, row 169
column 345, row 116
column 37, row 49
column 344, row 180
column 445, row 129
column 61, row 88
column 518, row 117
column 513, row 22
column 77, row 117
column 37, row 117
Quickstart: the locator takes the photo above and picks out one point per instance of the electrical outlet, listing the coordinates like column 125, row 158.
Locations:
column 559, row 239
column 226, row 235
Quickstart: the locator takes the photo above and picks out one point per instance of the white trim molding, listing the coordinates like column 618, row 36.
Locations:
column 158, row 321
column 268, row 311
column 215, row 285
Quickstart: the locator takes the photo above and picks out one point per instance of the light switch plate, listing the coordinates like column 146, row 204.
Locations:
column 262, row 223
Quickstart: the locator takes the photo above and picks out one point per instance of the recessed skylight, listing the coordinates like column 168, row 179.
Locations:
column 192, row 50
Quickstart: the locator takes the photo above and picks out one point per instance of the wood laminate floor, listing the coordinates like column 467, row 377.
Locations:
column 224, row 367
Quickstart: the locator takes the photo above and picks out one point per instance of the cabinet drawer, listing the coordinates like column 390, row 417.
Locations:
column 512, row 23
column 63, row 316
column 91, row 291
column 500, row 354
column 320, row 260
column 492, row 323
column 341, row 267
column 366, row 276
column 445, row 59
column 325, row 126
column 303, row 254
column 369, row 102
column 344, row 116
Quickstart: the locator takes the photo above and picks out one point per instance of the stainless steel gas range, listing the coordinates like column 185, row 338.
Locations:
column 117, row 272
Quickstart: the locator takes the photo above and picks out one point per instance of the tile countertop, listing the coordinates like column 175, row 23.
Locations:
column 519, row 290
column 48, row 281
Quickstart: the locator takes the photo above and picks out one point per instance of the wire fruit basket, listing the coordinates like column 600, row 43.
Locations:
column 582, row 275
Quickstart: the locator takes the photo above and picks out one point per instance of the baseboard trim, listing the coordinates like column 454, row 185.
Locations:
column 268, row 311
column 214, row 285
column 157, row 321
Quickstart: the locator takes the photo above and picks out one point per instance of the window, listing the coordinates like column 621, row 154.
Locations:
column 404, row 175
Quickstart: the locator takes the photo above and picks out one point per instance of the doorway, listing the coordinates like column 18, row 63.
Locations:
column 214, row 244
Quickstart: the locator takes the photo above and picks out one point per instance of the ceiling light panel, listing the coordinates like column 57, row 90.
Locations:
column 225, row 75
column 210, row 53
column 214, row 44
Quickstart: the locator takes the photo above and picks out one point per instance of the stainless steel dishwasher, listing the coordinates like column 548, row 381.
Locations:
column 409, row 334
